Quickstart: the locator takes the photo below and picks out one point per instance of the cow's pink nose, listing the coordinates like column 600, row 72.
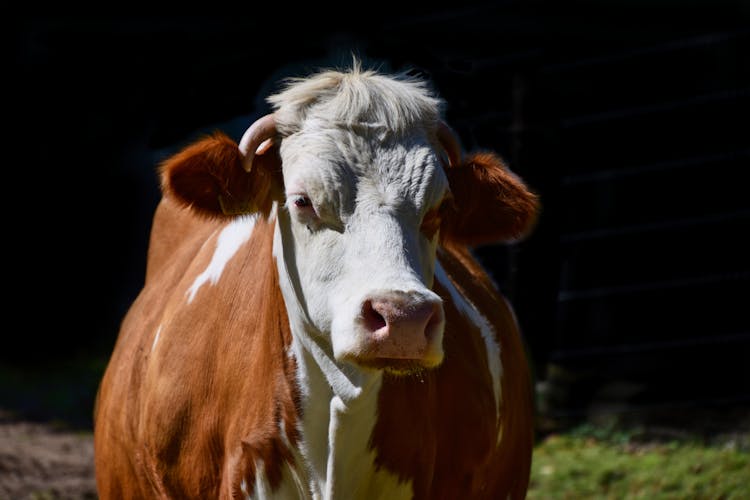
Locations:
column 400, row 327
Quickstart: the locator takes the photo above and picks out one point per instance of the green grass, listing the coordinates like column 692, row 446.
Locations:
column 593, row 464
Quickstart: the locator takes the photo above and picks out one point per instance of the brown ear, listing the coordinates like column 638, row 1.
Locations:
column 209, row 177
column 489, row 204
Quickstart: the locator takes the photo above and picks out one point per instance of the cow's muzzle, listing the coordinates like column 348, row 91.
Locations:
column 401, row 332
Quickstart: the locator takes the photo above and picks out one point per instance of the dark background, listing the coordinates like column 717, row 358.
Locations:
column 629, row 118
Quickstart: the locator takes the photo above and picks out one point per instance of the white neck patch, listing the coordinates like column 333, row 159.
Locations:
column 339, row 408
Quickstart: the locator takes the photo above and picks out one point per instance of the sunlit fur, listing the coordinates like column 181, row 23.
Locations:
column 357, row 99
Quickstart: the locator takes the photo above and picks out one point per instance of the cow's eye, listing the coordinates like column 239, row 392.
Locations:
column 301, row 201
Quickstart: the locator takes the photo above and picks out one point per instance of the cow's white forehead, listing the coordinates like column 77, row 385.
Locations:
column 340, row 169
column 360, row 136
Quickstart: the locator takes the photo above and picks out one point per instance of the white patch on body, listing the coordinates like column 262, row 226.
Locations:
column 228, row 242
column 349, row 434
column 294, row 475
column 156, row 338
column 287, row 489
column 469, row 310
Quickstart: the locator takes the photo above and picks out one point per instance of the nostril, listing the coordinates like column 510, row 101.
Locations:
column 400, row 326
column 374, row 321
column 402, row 317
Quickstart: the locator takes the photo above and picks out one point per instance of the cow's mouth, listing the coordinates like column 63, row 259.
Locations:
column 397, row 366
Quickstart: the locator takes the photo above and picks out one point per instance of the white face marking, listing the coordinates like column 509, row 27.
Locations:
column 468, row 309
column 355, row 208
column 230, row 240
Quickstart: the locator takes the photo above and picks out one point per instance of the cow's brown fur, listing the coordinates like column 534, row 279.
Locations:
column 190, row 417
column 489, row 202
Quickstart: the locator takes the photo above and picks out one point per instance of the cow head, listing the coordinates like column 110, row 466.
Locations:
column 368, row 181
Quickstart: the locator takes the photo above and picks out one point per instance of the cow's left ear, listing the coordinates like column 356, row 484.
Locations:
column 489, row 203
column 210, row 176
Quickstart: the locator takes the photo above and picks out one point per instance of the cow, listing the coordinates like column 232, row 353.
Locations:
column 313, row 321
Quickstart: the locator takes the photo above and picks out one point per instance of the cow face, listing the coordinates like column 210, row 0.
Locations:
column 365, row 193
column 363, row 213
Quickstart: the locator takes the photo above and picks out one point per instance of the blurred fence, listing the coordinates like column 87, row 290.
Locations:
column 632, row 292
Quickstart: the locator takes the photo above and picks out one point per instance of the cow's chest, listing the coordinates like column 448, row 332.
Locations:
column 334, row 456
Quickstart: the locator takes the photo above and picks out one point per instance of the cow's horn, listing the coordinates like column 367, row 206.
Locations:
column 449, row 141
column 257, row 139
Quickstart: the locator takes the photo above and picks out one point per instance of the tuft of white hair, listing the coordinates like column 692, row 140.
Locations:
column 356, row 97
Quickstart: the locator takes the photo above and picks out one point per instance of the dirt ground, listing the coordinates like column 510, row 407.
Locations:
column 44, row 461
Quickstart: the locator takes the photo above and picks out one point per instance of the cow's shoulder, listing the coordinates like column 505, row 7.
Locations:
column 221, row 384
column 202, row 358
column 176, row 236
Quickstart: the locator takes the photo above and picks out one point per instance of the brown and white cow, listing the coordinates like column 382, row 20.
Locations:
column 312, row 323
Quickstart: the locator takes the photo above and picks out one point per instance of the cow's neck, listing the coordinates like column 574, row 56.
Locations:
column 339, row 403
column 339, row 415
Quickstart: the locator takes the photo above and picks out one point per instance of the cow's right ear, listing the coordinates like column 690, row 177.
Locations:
column 489, row 203
column 210, row 176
